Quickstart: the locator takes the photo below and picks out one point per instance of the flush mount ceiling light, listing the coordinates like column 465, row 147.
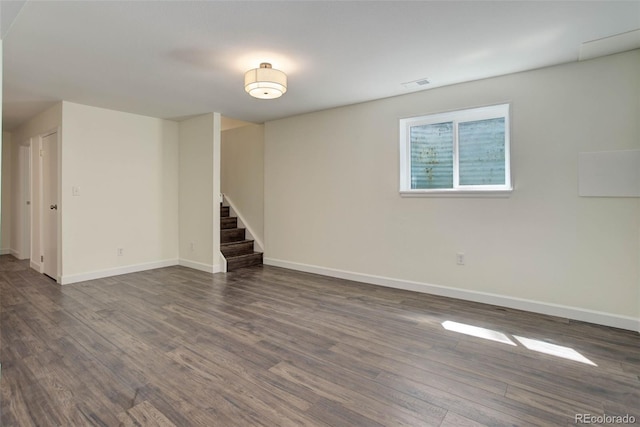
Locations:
column 265, row 82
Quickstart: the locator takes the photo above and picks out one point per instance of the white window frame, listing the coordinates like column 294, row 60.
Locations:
column 457, row 117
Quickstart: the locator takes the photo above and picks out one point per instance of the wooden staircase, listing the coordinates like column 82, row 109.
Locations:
column 234, row 246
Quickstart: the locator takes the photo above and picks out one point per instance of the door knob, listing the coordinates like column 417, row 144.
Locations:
column 53, row 207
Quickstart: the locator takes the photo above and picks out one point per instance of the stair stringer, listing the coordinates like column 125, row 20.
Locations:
column 258, row 246
column 223, row 262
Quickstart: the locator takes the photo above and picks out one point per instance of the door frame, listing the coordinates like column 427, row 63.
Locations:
column 25, row 198
column 40, row 236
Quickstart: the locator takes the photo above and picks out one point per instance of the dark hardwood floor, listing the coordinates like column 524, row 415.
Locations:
column 265, row 346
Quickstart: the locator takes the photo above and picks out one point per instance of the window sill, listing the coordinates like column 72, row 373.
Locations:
column 457, row 193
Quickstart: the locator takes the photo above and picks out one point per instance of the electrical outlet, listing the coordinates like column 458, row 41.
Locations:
column 120, row 251
column 460, row 258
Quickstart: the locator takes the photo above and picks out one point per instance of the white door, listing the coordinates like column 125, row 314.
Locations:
column 50, row 205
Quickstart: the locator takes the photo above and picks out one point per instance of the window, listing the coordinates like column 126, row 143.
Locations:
column 459, row 151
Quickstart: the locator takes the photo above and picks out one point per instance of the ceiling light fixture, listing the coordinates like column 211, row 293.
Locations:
column 265, row 82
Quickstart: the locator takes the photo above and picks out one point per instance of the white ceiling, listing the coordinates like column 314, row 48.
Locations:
column 173, row 59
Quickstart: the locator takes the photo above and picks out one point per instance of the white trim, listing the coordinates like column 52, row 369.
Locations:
column 499, row 111
column 40, row 184
column 456, row 193
column 24, row 208
column 7, row 251
column 99, row 274
column 209, row 268
column 575, row 313
column 32, row 192
column 223, row 263
column 243, row 223
column 35, row 265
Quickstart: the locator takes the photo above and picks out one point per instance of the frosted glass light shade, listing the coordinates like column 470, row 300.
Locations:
column 265, row 82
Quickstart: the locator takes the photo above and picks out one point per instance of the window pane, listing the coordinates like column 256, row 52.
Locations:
column 481, row 152
column 432, row 156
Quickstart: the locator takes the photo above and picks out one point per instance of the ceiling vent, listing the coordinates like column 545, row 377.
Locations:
column 416, row 84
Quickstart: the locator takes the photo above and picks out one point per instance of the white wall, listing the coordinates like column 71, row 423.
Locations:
column 332, row 202
column 129, row 170
column 49, row 119
column 242, row 173
column 199, row 187
column 126, row 167
column 227, row 123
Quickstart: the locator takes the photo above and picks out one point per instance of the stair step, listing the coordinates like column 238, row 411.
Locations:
column 231, row 249
column 231, row 235
column 224, row 211
column 240, row 261
column 228, row 222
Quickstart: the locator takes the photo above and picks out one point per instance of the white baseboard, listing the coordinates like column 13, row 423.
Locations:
column 209, row 268
column 81, row 277
column 575, row 313
column 15, row 253
column 36, row 266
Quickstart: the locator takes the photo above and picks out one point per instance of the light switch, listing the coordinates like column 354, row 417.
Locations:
column 75, row 191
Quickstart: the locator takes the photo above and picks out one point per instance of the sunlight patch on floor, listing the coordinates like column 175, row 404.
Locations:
column 529, row 343
column 553, row 350
column 488, row 334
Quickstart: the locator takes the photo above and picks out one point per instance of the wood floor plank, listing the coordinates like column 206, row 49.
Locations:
column 266, row 346
column 19, row 335
column 10, row 295
column 514, row 374
column 275, row 408
column 24, row 402
column 455, row 420
column 332, row 413
column 167, row 399
column 485, row 408
column 386, row 412
column 559, row 406
column 74, row 402
column 417, row 367
column 344, row 377
column 144, row 414
column 548, row 372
